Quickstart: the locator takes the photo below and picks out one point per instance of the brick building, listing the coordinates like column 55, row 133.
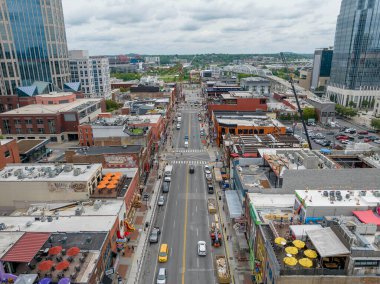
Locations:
column 238, row 101
column 57, row 122
column 9, row 152
column 239, row 122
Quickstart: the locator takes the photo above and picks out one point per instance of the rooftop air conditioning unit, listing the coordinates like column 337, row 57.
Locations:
column 29, row 223
column 77, row 171
column 2, row 226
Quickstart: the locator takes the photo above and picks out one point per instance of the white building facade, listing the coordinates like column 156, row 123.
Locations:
column 92, row 72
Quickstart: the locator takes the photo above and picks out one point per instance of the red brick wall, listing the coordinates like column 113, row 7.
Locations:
column 55, row 100
column 14, row 155
column 8, row 103
column 85, row 138
column 132, row 190
column 251, row 104
column 45, row 117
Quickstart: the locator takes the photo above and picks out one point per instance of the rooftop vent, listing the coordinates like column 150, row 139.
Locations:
column 2, row 226
column 77, row 171
column 29, row 223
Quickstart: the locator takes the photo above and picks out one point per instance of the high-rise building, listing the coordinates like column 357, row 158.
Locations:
column 33, row 44
column 355, row 70
column 92, row 72
column 321, row 67
column 101, row 69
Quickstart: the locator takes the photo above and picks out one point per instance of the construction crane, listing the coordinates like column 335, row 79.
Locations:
column 296, row 96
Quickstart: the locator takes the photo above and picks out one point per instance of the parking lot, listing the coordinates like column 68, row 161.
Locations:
column 328, row 135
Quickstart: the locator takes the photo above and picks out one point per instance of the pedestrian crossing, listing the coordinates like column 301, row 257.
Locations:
column 189, row 151
column 182, row 162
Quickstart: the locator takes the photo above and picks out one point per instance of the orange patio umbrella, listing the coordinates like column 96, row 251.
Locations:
column 55, row 250
column 73, row 251
column 102, row 186
column 62, row 265
column 111, row 186
column 45, row 265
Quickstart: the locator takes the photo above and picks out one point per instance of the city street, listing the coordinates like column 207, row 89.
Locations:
column 184, row 219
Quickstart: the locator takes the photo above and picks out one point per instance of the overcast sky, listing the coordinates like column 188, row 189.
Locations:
column 199, row 26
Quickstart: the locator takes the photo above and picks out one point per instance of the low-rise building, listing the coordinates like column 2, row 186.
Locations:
column 238, row 101
column 325, row 109
column 305, row 78
column 9, row 152
column 33, row 150
column 21, row 184
column 256, row 84
column 57, row 122
column 244, row 122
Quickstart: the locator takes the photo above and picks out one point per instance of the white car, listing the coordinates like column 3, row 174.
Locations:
column 202, row 248
column 207, row 168
column 376, row 141
column 161, row 276
column 161, row 200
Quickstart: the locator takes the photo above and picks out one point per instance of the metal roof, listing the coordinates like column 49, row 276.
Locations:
column 327, row 243
column 26, row 247
column 233, row 203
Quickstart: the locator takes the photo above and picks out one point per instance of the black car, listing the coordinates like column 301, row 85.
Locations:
column 361, row 137
column 165, row 187
column 191, row 169
column 326, row 143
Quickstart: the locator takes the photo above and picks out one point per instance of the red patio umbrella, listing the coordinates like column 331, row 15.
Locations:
column 73, row 251
column 45, row 265
column 55, row 250
column 62, row 265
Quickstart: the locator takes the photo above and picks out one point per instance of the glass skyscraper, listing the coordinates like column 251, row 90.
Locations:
column 33, row 43
column 356, row 58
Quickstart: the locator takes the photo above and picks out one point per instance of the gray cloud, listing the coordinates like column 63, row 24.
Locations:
column 199, row 26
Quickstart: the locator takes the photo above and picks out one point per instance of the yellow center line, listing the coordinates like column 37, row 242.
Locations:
column 185, row 225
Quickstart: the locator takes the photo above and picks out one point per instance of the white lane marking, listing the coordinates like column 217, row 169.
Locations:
column 198, row 262
column 174, row 224
column 196, row 208
column 197, row 231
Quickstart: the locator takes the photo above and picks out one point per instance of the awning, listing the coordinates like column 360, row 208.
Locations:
column 234, row 155
column 233, row 203
column 250, row 155
column 367, row 217
column 26, row 247
column 217, row 174
column 327, row 243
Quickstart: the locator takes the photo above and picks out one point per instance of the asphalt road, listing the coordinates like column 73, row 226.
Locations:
column 184, row 219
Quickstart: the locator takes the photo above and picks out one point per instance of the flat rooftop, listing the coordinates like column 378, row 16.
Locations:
column 62, row 224
column 48, row 172
column 260, row 200
column 104, row 207
column 266, row 122
column 77, row 105
column 255, row 79
column 328, row 198
column 55, row 95
column 118, row 120
column 281, row 160
column 240, row 94
column 99, row 150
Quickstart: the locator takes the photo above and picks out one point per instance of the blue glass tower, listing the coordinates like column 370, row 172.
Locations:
column 34, row 40
column 356, row 58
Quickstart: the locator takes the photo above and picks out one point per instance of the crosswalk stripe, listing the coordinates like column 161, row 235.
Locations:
column 195, row 162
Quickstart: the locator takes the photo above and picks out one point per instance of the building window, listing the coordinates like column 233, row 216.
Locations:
column 6, row 126
column 40, row 121
column 41, row 130
column 17, row 122
column 18, row 130
column 7, row 154
column 29, row 130
column 28, row 121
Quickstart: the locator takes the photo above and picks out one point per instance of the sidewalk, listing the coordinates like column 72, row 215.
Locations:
column 240, row 271
column 130, row 263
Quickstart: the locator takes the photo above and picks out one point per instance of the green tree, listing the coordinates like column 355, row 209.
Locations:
column 123, row 89
column 375, row 123
column 365, row 104
column 111, row 105
column 309, row 113
column 352, row 104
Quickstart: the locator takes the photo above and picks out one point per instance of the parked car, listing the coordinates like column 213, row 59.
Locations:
column 363, row 132
column 361, row 137
column 161, row 201
column 326, row 143
column 165, row 187
column 350, row 130
column 377, row 141
column 320, row 136
column 344, row 141
column 341, row 137
column 206, row 168
column 208, row 175
column 372, row 137
column 202, row 248
column 154, row 235
column 367, row 140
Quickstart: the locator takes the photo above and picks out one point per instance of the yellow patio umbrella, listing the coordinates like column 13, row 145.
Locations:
column 310, row 253
column 306, row 262
column 298, row 244
column 291, row 250
column 291, row 261
column 280, row 241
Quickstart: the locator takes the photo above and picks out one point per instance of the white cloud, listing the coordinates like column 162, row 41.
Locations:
column 199, row 26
